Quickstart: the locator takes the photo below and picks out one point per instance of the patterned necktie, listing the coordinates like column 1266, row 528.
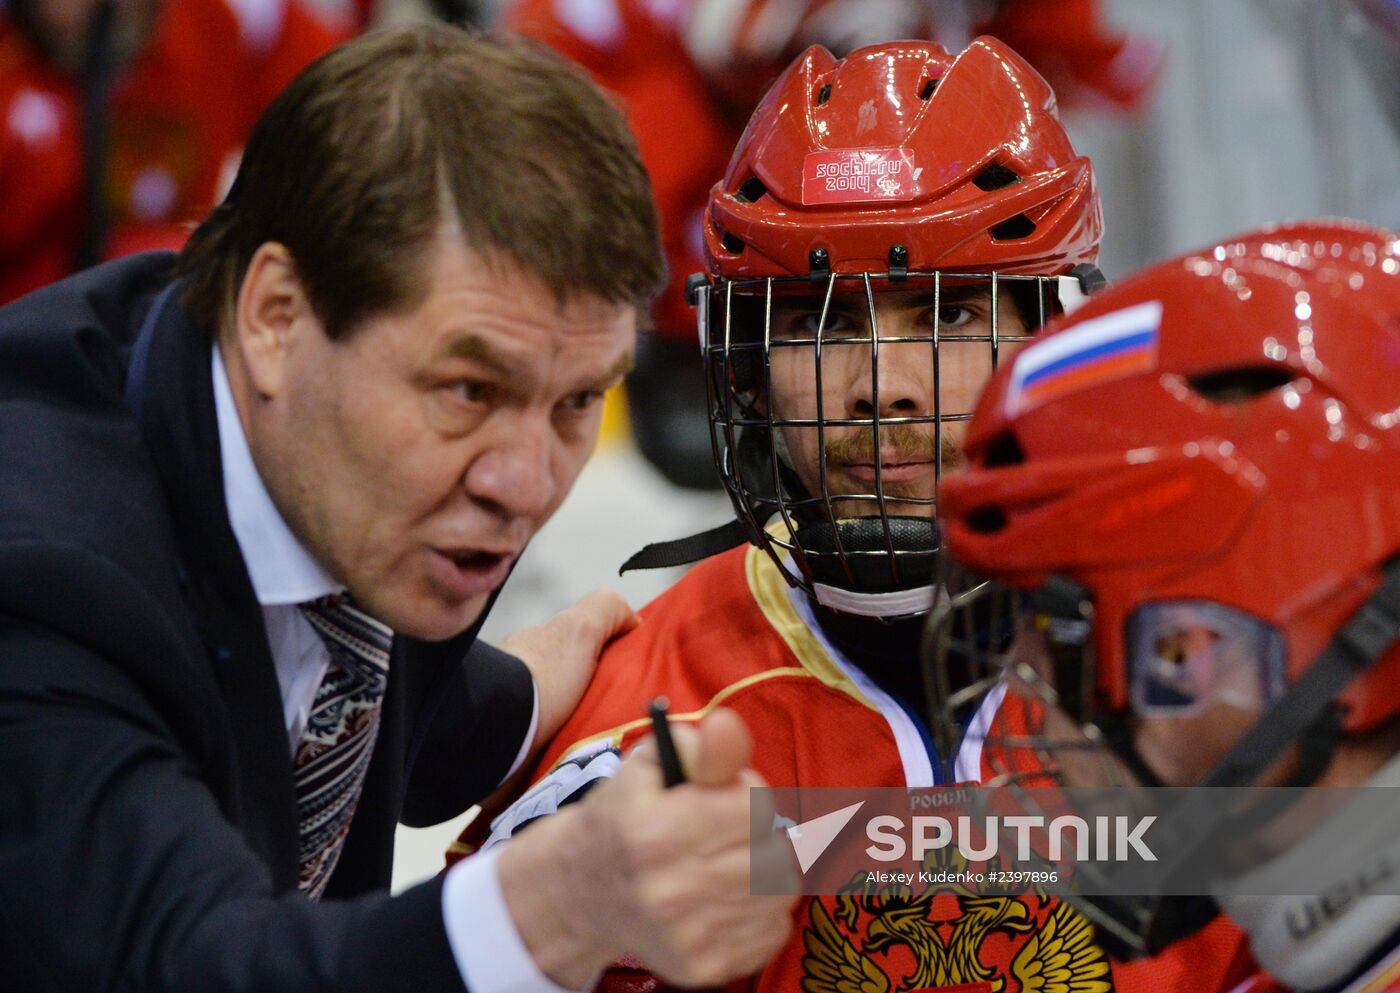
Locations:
column 335, row 749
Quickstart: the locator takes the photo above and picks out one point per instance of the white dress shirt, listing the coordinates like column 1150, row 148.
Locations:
column 489, row 951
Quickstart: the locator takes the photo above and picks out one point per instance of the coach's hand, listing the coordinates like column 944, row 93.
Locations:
column 660, row 874
column 562, row 653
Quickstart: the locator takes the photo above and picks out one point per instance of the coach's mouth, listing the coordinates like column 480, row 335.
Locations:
column 466, row 572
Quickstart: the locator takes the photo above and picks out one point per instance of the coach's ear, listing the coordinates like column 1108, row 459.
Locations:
column 272, row 312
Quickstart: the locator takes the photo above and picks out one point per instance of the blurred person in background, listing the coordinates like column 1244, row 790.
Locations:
column 121, row 121
column 689, row 72
column 366, row 14
column 1223, row 509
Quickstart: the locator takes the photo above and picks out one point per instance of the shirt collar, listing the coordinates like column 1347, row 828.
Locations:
column 280, row 567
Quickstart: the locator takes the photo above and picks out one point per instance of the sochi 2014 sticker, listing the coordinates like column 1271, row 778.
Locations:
column 859, row 175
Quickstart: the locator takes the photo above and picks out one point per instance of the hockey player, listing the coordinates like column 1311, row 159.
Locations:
column 891, row 226
column 689, row 72
column 1210, row 457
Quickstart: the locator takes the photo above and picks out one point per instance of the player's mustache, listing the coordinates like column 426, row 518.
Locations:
column 898, row 443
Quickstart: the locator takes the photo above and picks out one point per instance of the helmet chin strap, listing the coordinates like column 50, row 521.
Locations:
column 877, row 566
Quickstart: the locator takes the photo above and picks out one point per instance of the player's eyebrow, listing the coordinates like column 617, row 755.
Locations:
column 856, row 303
column 961, row 294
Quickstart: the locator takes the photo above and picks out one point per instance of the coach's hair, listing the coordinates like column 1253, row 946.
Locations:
column 355, row 164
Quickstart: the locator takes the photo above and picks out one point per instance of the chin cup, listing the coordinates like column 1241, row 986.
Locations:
column 860, row 555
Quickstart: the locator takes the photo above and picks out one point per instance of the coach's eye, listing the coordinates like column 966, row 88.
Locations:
column 474, row 392
column 582, row 401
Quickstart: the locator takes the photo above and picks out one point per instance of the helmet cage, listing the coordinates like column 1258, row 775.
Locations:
column 876, row 561
column 1040, row 646
column 973, row 645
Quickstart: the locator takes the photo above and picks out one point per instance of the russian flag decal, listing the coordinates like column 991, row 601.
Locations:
column 1097, row 351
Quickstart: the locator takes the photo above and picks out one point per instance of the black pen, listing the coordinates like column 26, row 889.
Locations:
column 671, row 770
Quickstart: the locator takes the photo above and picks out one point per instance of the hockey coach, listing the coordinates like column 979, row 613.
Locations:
column 253, row 504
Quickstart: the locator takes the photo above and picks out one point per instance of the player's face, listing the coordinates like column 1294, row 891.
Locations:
column 1182, row 750
column 1200, row 675
column 1198, row 680
column 905, row 388
column 416, row 456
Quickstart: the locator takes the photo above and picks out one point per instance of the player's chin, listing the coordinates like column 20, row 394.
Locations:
column 914, row 503
column 908, row 508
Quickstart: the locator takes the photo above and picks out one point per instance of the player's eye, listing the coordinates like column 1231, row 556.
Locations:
column 808, row 324
column 955, row 315
column 1171, row 648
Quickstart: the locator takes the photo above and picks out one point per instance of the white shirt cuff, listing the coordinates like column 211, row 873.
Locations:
column 490, row 954
column 529, row 741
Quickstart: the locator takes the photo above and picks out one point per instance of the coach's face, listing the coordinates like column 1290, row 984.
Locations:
column 415, row 456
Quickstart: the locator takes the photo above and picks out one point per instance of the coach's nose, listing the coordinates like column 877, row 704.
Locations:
column 513, row 477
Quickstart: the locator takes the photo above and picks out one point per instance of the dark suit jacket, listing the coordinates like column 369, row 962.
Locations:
column 148, row 836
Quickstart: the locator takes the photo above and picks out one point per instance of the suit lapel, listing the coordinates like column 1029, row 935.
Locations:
column 181, row 431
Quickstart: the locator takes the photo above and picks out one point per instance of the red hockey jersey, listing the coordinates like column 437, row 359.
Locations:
column 732, row 633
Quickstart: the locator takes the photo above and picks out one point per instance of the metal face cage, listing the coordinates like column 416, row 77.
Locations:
column 1034, row 655
column 1036, row 652
column 865, row 546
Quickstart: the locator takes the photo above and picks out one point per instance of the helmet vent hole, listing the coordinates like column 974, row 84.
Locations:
column 927, row 89
column 753, row 189
column 824, row 94
column 986, row 520
column 1004, row 450
column 1239, row 384
column 1019, row 226
column 732, row 243
column 994, row 177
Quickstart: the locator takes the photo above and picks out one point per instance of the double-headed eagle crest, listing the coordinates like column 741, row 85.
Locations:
column 891, row 939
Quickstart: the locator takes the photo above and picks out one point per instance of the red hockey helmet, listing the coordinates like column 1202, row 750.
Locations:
column 983, row 176
column 1214, row 439
column 1205, row 462
column 896, row 169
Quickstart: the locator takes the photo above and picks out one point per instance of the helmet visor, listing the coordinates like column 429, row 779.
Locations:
column 1186, row 656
